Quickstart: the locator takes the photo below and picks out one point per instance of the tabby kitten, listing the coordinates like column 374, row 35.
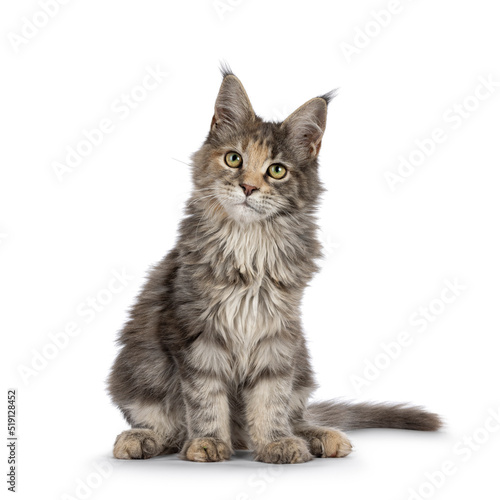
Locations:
column 213, row 358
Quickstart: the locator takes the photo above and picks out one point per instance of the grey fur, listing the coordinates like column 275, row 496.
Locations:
column 349, row 416
column 213, row 357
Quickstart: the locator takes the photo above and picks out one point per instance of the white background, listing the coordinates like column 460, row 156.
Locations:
column 387, row 252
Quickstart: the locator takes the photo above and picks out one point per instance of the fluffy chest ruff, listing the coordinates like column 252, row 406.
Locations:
column 252, row 297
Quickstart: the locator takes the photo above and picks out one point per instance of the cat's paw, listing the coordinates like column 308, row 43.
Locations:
column 290, row 450
column 138, row 443
column 206, row 450
column 329, row 443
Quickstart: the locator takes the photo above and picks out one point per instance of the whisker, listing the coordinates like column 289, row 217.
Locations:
column 194, row 200
column 180, row 161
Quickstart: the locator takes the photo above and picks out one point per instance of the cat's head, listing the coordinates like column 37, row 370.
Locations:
column 251, row 170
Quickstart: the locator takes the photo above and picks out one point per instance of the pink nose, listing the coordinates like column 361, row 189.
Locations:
column 248, row 189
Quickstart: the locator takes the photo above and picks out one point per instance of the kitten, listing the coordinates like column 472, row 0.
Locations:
column 213, row 358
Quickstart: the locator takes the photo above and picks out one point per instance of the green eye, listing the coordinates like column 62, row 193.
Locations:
column 233, row 160
column 276, row 171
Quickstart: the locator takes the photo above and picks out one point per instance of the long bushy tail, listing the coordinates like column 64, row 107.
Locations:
column 347, row 416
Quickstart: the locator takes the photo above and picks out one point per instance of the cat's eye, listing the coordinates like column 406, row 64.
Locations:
column 233, row 159
column 276, row 171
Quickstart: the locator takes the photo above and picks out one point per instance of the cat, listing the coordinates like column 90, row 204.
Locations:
column 213, row 358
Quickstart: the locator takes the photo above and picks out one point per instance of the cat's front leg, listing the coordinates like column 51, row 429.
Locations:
column 268, row 414
column 205, row 394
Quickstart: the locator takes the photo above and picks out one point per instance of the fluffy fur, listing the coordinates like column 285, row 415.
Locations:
column 213, row 357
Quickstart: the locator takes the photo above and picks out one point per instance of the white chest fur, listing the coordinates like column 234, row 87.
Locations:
column 251, row 309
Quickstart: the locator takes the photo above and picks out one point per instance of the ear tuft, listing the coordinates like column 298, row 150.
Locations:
column 225, row 69
column 232, row 107
column 329, row 96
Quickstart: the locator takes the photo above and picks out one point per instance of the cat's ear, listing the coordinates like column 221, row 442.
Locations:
column 307, row 124
column 232, row 107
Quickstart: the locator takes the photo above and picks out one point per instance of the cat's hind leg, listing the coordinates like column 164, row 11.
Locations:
column 155, row 431
column 324, row 442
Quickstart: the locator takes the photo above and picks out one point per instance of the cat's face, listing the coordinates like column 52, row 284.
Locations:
column 251, row 170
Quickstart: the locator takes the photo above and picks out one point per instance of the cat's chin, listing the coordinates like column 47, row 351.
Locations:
column 244, row 213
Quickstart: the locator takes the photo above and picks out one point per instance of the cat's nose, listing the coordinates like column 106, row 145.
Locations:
column 247, row 189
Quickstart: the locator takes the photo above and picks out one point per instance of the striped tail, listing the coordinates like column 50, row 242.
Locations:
column 349, row 416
